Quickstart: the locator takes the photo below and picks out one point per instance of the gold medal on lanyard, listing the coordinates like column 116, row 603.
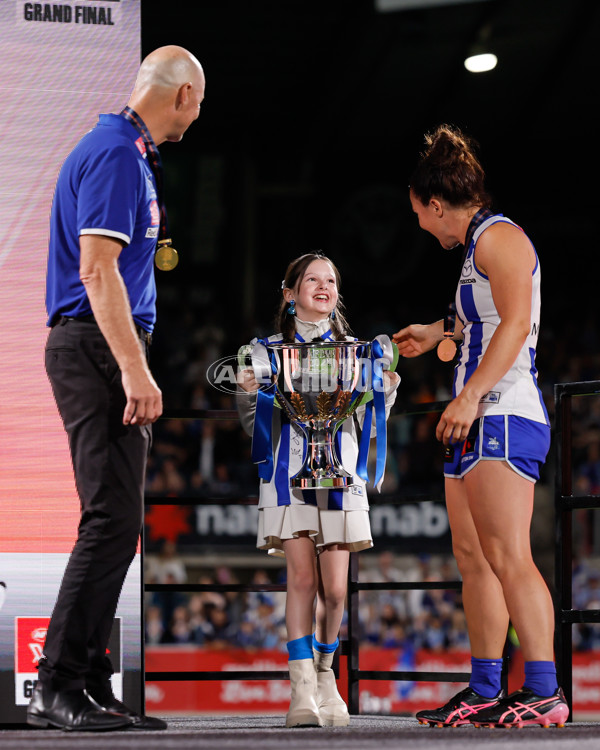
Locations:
column 166, row 257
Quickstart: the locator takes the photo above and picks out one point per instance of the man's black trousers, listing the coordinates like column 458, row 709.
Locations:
column 109, row 461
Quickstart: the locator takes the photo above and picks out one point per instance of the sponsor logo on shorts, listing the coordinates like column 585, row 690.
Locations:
column 469, row 445
column 493, row 444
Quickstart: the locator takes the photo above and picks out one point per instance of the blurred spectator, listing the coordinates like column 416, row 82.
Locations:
column 211, row 598
column 167, row 566
column 155, row 628
column 168, row 601
column 178, row 630
column 220, row 631
column 434, row 634
column 457, row 635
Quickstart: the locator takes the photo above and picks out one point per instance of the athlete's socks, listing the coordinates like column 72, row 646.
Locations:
column 300, row 648
column 485, row 676
column 325, row 648
column 540, row 677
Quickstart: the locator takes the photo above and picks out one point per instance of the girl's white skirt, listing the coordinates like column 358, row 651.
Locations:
column 349, row 528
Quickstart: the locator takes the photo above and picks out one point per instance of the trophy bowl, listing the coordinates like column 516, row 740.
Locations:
column 318, row 385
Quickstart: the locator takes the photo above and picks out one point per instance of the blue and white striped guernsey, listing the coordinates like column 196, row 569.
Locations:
column 517, row 393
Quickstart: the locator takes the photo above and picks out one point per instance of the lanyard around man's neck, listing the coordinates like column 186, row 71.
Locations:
column 166, row 257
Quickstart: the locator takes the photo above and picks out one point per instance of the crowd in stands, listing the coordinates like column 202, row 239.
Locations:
column 431, row 619
column 408, row 620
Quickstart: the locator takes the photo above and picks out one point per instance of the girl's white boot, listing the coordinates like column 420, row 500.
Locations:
column 303, row 711
column 332, row 709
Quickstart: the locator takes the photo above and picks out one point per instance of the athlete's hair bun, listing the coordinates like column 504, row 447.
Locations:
column 449, row 168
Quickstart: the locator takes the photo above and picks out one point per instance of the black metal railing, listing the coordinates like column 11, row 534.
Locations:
column 566, row 616
column 565, row 502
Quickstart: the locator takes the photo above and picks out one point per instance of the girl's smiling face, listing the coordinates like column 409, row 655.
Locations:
column 316, row 293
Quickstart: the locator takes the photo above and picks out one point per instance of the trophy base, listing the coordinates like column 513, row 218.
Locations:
column 312, row 483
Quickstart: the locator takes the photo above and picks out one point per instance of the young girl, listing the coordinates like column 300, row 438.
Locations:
column 315, row 529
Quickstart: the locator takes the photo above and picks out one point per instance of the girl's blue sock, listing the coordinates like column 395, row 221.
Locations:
column 325, row 648
column 485, row 676
column 540, row 677
column 301, row 648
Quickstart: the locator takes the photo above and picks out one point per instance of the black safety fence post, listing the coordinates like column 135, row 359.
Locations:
column 564, row 537
column 353, row 636
column 565, row 503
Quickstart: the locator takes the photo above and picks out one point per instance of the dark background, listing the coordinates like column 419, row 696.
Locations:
column 313, row 118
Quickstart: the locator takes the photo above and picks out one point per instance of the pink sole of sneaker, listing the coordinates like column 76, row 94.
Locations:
column 558, row 716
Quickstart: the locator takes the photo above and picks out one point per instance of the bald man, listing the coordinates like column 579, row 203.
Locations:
column 107, row 216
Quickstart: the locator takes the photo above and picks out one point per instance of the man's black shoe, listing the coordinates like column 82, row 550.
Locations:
column 70, row 710
column 108, row 702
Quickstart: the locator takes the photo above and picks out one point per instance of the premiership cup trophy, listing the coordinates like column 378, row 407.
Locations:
column 318, row 385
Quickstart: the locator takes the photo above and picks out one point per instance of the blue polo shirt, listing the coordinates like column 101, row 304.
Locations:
column 104, row 187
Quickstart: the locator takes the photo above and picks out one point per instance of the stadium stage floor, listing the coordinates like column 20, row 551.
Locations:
column 268, row 733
